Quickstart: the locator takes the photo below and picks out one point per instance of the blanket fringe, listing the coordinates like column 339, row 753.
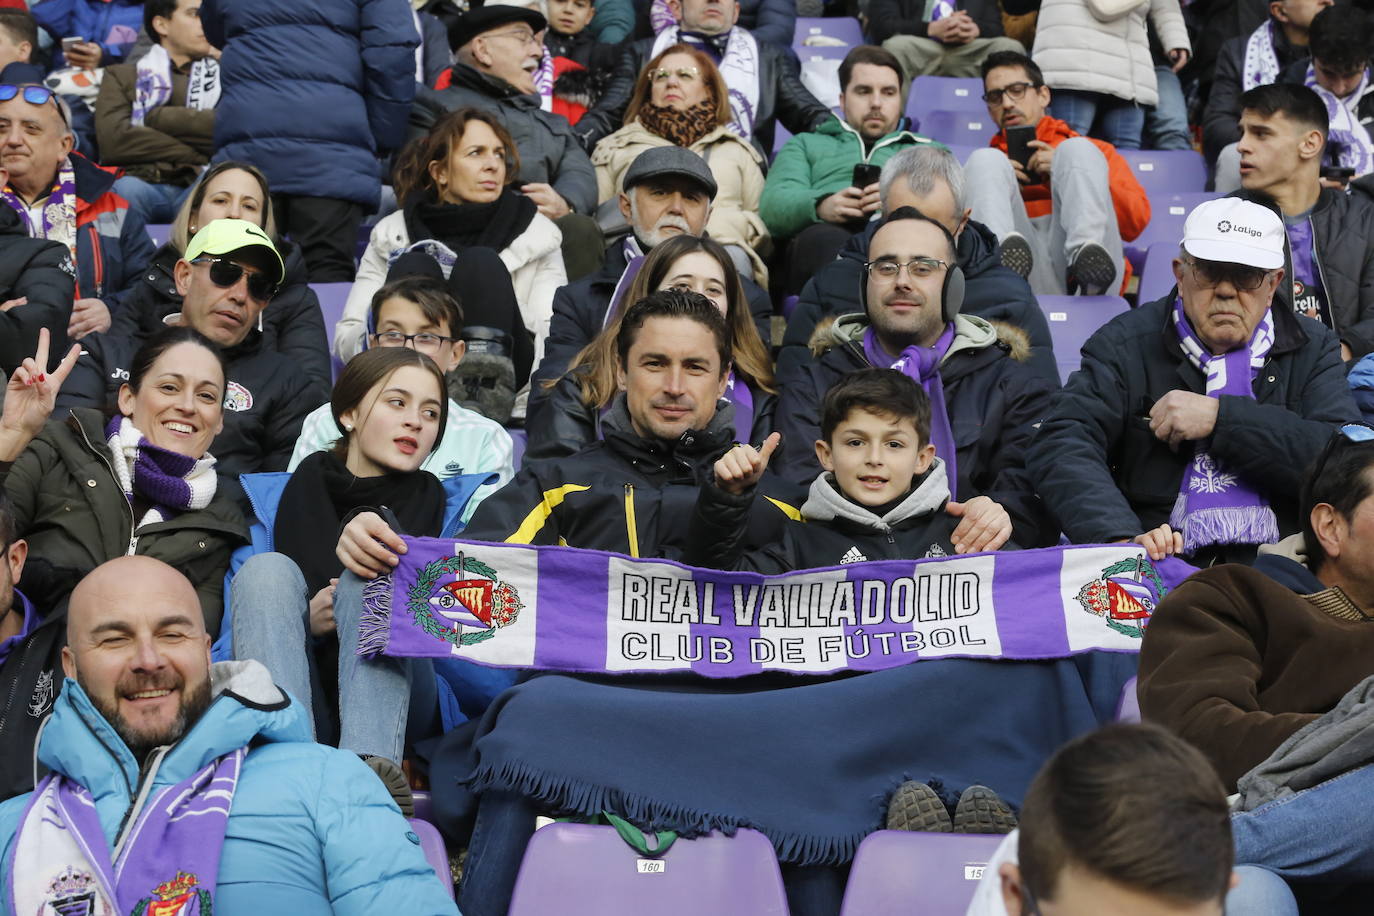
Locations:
column 374, row 625
column 566, row 794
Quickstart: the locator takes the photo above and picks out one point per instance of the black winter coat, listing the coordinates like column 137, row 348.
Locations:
column 292, row 323
column 30, row 679
column 1221, row 117
column 42, row 271
column 994, row 404
column 906, row 17
column 625, row 494
column 992, row 292
column 782, row 97
column 770, row 20
column 1104, row 475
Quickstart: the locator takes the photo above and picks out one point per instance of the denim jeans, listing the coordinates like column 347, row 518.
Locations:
column 1166, row 125
column 1094, row 114
column 1260, row 893
column 381, row 701
column 156, row 203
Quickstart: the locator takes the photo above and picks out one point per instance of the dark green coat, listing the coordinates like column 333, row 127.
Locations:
column 68, row 505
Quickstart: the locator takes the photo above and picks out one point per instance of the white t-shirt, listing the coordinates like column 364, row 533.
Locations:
column 987, row 896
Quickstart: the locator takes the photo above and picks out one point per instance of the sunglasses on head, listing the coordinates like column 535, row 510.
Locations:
column 34, row 95
column 225, row 273
column 1350, row 432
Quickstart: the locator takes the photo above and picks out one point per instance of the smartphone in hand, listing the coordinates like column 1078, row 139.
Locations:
column 1018, row 143
column 71, row 42
column 1338, row 174
column 865, row 174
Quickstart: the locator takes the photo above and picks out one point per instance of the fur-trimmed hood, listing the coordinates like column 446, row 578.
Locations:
column 971, row 332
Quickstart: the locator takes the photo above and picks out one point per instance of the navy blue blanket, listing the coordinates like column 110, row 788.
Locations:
column 810, row 763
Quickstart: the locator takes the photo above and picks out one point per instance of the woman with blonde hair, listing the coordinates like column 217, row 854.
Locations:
column 680, row 99
column 570, row 417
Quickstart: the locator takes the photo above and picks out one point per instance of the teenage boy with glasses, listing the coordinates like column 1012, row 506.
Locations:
column 228, row 274
column 1062, row 204
column 1190, row 422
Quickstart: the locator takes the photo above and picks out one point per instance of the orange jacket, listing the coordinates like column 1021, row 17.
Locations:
column 1128, row 197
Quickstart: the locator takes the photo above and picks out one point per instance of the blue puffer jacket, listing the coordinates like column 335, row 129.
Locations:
column 313, row 92
column 112, row 24
column 311, row 832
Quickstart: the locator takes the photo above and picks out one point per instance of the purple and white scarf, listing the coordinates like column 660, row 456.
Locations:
column 1345, row 132
column 738, row 393
column 938, row 9
column 922, row 366
column 739, row 65
column 59, row 213
column 1215, row 506
column 543, row 81
column 634, row 260
column 153, row 83
column 173, row 483
column 1261, row 65
column 164, row 863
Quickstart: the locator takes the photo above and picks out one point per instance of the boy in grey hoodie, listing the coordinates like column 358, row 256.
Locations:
column 884, row 493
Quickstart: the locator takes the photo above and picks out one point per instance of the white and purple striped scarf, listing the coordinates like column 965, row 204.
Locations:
column 153, row 83
column 172, row 483
column 1261, row 65
column 922, row 366
column 1215, row 506
column 739, row 65
column 543, row 81
column 1345, row 132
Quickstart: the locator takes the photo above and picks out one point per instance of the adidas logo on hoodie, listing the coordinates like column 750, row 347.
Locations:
column 852, row 555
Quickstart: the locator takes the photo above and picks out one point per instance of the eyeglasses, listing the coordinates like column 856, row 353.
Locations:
column 34, row 95
column 225, row 273
column 1211, row 274
column 917, row 268
column 683, row 74
column 425, row 343
column 1350, row 432
column 521, row 35
column 1014, row 91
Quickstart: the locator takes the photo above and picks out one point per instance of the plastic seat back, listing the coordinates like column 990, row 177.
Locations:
column 159, row 233
column 896, row 873
column 583, row 870
column 1168, row 213
column 1072, row 320
column 842, row 28
column 1157, row 278
column 436, row 853
column 945, row 93
column 1167, row 169
column 961, row 128
column 333, row 297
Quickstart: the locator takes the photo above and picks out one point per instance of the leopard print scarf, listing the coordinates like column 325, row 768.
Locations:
column 683, row 128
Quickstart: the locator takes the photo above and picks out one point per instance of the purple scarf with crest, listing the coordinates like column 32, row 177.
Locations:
column 922, row 366
column 59, row 213
column 1215, row 506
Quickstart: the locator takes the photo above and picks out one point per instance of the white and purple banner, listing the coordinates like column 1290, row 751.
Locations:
column 566, row 609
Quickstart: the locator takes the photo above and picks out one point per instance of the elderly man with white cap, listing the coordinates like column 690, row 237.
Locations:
column 1191, row 422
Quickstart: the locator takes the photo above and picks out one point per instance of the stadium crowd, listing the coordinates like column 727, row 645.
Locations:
column 701, row 284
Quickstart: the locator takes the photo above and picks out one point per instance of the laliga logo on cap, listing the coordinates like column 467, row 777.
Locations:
column 1226, row 226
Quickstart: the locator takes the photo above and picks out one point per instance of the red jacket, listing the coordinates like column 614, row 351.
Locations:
column 1128, row 197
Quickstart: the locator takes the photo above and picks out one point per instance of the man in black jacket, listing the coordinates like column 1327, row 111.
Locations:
column 764, row 80
column 931, row 180
column 992, row 402
column 1330, row 258
column 227, row 277
column 37, row 285
column 1142, row 434
column 942, row 38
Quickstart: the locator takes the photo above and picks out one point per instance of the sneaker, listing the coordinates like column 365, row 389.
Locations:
column 981, row 811
column 1016, row 255
column 1093, row 270
column 916, row 807
column 485, row 382
column 394, row 778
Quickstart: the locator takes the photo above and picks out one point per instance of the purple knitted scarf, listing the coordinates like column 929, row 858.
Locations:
column 922, row 366
column 171, row 482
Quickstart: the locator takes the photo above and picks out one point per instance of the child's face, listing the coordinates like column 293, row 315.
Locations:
column 875, row 457
column 403, row 316
column 568, row 17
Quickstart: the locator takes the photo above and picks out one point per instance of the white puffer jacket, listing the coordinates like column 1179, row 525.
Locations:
column 534, row 259
column 1101, row 45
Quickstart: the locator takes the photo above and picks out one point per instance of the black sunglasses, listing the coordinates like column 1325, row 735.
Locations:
column 34, row 95
column 1350, row 432
column 225, row 273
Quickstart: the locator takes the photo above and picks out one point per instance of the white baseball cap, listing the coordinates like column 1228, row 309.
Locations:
column 1235, row 231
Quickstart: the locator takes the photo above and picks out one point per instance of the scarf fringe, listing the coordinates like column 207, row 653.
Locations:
column 587, row 799
column 1223, row 525
column 374, row 626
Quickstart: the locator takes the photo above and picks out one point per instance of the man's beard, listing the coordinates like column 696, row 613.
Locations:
column 140, row 743
column 654, row 235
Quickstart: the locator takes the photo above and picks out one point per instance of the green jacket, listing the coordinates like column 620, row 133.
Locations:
column 70, row 508
column 816, row 164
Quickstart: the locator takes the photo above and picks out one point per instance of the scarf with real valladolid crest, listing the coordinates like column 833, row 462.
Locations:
column 1214, row 505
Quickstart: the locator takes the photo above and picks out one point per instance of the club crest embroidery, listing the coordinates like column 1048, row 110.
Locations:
column 1208, row 477
column 41, row 700
column 1125, row 596
column 237, row 397
column 468, row 608
column 181, row 896
column 73, row 893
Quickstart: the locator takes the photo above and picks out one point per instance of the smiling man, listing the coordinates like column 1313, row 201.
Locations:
column 147, row 733
column 1192, row 418
column 985, row 405
column 226, row 278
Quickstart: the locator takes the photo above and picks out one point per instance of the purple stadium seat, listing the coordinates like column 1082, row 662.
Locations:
column 582, row 870
column 1158, row 276
column 1128, row 710
column 332, row 297
column 966, row 128
column 424, row 805
column 923, row 874
column 435, row 852
column 832, row 52
column 1168, row 212
column 159, row 233
column 945, row 93
column 518, row 440
column 845, row 28
column 961, row 151
column 1073, row 319
column 1167, row 170
column 780, row 137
